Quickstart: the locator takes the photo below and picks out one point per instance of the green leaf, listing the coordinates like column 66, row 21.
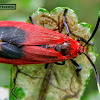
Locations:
column 56, row 82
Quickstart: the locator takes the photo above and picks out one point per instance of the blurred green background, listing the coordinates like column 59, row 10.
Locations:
column 86, row 10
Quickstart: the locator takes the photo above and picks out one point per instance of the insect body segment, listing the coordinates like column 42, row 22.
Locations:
column 34, row 45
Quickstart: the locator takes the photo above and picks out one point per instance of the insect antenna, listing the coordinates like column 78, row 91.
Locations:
column 95, row 71
column 96, row 27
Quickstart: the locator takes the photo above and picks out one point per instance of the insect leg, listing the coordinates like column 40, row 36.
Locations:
column 64, row 21
column 63, row 63
column 31, row 20
column 46, row 65
column 81, row 39
column 77, row 65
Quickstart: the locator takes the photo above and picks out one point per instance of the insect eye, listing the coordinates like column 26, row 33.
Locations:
column 80, row 50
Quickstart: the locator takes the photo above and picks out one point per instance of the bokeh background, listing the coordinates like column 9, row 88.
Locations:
column 86, row 10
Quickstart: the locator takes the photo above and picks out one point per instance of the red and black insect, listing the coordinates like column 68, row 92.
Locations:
column 23, row 43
